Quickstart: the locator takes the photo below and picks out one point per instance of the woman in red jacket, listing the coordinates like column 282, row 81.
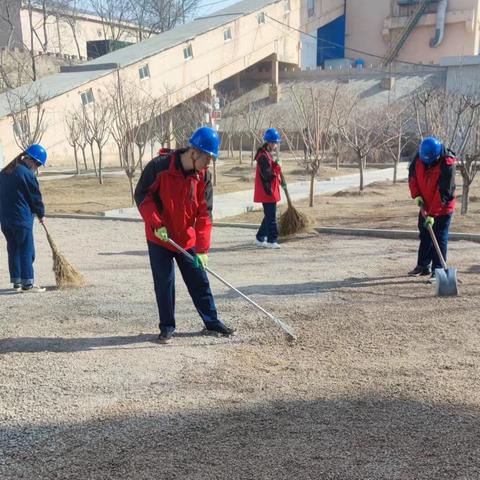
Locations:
column 267, row 189
column 432, row 184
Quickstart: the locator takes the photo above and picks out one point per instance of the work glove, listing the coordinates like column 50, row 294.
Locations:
column 429, row 221
column 419, row 201
column 162, row 234
column 201, row 260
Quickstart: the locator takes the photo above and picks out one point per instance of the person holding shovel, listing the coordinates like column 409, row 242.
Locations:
column 268, row 178
column 432, row 185
column 174, row 197
column 20, row 201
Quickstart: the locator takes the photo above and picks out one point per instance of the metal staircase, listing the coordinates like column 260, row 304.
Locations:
column 402, row 37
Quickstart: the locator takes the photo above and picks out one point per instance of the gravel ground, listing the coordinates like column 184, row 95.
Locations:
column 382, row 384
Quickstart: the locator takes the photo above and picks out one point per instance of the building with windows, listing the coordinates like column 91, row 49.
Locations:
column 419, row 31
column 252, row 39
column 61, row 32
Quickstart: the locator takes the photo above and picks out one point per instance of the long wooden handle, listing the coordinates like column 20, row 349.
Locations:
column 435, row 241
column 285, row 189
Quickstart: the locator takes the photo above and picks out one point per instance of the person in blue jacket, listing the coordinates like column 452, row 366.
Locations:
column 20, row 201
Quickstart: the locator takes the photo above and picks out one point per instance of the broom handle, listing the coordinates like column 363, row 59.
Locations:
column 287, row 329
column 285, row 189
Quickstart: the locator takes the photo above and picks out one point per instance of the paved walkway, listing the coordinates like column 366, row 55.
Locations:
column 237, row 203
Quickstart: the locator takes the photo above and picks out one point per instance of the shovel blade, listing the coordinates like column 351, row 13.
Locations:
column 446, row 282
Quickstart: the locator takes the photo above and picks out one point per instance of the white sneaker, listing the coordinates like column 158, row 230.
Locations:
column 33, row 289
column 258, row 243
column 274, row 245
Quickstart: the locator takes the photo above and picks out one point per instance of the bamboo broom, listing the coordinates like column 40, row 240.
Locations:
column 66, row 276
column 291, row 221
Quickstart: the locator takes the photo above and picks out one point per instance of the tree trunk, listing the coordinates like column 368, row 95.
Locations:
column 465, row 195
column 240, row 153
column 75, row 154
column 361, row 164
column 312, row 188
column 93, row 160
column 100, row 177
column 132, row 191
column 254, row 148
column 84, row 158
column 32, row 33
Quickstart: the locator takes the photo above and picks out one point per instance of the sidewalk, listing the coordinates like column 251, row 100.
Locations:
column 237, row 203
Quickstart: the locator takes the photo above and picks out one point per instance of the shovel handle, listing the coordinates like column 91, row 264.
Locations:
column 286, row 328
column 435, row 241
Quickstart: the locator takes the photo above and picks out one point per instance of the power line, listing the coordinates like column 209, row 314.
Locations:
column 334, row 44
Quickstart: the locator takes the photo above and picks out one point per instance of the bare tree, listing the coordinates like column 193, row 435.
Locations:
column 398, row 133
column 97, row 117
column 74, row 135
column 133, row 124
column 164, row 15
column 361, row 128
column 115, row 17
column 255, row 121
column 28, row 115
column 313, row 118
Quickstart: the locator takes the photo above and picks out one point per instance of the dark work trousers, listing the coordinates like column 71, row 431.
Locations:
column 426, row 253
column 196, row 280
column 268, row 229
column 21, row 254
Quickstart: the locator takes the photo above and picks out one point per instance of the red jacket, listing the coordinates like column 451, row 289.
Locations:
column 267, row 178
column 435, row 184
column 168, row 196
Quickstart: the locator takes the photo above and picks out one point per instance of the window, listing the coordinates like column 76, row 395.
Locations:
column 311, row 8
column 286, row 6
column 227, row 34
column 144, row 72
column 261, row 18
column 87, row 97
column 188, row 52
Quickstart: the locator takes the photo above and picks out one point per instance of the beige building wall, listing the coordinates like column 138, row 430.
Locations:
column 373, row 24
column 60, row 35
column 174, row 79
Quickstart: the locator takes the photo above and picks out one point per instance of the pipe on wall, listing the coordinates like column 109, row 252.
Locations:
column 441, row 19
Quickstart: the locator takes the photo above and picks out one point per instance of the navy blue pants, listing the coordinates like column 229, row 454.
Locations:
column 268, row 229
column 426, row 253
column 196, row 280
column 21, row 254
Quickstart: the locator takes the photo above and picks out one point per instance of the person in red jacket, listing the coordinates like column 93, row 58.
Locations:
column 432, row 184
column 267, row 189
column 174, row 196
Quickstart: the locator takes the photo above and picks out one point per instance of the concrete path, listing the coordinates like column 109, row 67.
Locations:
column 237, row 203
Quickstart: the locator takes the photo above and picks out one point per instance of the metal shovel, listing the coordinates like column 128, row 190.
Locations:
column 287, row 329
column 445, row 278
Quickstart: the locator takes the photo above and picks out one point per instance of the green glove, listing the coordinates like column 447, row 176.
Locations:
column 201, row 260
column 429, row 221
column 162, row 234
column 419, row 201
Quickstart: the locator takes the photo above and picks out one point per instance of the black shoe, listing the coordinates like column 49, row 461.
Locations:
column 166, row 335
column 219, row 328
column 419, row 272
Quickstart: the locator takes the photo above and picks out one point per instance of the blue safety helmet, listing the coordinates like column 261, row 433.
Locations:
column 206, row 139
column 431, row 150
column 37, row 153
column 272, row 136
